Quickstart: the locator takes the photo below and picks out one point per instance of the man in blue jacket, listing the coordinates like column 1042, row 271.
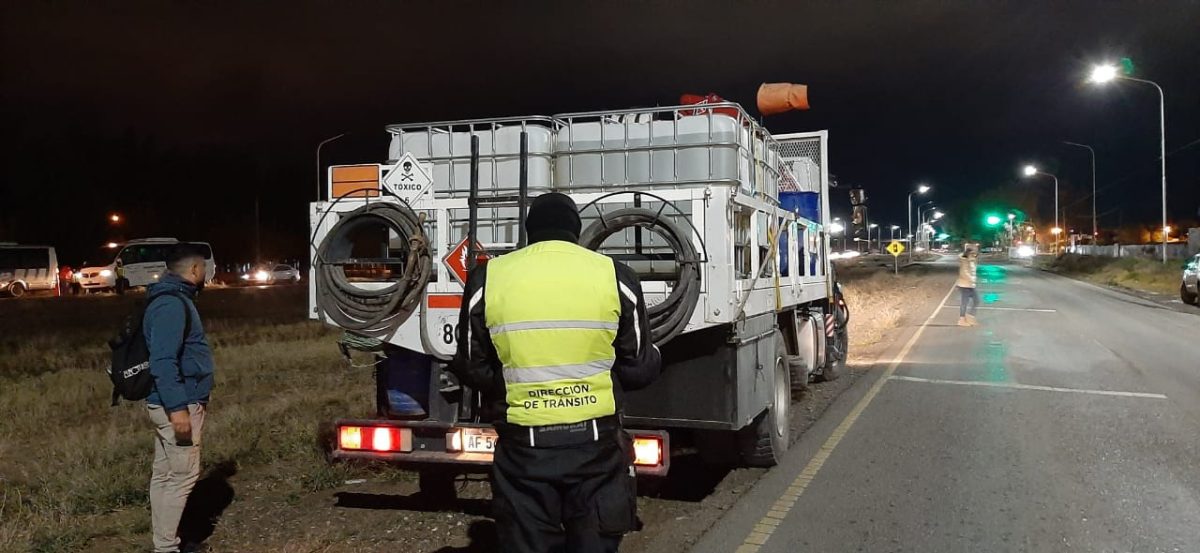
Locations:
column 182, row 365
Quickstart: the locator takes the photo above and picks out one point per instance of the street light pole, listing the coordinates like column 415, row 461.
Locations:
column 921, row 189
column 1031, row 171
column 936, row 215
column 1108, row 72
column 921, row 220
column 1162, row 125
column 319, row 145
column 1095, row 227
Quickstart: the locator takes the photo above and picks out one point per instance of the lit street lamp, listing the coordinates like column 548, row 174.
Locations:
column 1108, row 72
column 921, row 189
column 115, row 218
column 923, row 227
column 1031, row 171
column 836, row 227
column 894, row 228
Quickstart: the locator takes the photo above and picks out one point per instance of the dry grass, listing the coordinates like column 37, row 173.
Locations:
column 876, row 295
column 74, row 471
column 879, row 300
column 1138, row 274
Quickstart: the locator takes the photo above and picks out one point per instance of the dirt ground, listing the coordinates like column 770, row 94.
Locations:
column 285, row 499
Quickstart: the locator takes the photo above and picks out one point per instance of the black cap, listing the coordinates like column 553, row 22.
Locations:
column 553, row 216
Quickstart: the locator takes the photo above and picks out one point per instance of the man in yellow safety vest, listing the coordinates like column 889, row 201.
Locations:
column 555, row 333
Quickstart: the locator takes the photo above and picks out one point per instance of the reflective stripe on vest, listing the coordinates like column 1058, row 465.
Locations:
column 552, row 313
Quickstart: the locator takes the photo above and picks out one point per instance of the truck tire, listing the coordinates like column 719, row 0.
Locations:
column 765, row 440
column 798, row 369
column 438, row 488
column 1187, row 296
column 16, row 289
column 804, row 363
column 837, row 347
column 835, row 356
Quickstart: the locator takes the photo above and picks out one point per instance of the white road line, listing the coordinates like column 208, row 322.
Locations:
column 1016, row 386
column 1008, row 309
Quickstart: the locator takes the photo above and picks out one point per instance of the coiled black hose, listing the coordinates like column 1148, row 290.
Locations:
column 366, row 312
column 669, row 317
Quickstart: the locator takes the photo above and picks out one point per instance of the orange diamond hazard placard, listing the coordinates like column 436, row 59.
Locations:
column 456, row 260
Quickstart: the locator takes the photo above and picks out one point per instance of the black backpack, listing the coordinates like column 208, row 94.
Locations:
column 130, row 369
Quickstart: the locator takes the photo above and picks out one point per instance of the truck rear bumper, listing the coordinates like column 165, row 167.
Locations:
column 418, row 444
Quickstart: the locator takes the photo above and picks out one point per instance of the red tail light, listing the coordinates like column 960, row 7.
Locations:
column 373, row 438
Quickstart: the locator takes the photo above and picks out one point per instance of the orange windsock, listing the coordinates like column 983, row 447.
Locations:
column 780, row 97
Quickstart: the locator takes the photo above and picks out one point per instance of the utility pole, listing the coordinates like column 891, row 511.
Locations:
column 1095, row 227
column 257, row 243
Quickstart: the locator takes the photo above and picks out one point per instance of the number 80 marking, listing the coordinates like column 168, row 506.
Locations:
column 449, row 333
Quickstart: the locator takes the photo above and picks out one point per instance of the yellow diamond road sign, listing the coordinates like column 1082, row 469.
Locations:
column 895, row 248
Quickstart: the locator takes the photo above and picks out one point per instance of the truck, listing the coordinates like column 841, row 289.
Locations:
column 725, row 223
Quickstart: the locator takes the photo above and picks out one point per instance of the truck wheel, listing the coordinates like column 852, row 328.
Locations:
column 835, row 356
column 1187, row 296
column 16, row 290
column 765, row 440
column 122, row 286
column 438, row 488
column 804, row 363
column 837, row 347
column 798, row 368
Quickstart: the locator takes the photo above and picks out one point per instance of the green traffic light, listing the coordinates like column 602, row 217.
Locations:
column 1127, row 66
column 993, row 220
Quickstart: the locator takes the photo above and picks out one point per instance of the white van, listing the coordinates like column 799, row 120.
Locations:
column 27, row 268
column 137, row 263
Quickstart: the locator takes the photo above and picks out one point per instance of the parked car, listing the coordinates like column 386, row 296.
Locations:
column 135, row 263
column 27, row 268
column 1189, row 290
column 279, row 273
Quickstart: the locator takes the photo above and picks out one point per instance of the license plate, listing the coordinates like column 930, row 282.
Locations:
column 479, row 440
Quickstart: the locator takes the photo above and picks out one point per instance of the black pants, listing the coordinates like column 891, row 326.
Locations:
column 578, row 499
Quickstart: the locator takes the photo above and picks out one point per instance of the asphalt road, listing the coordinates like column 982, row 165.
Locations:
column 1069, row 420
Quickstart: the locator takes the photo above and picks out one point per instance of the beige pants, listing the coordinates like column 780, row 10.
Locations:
column 176, row 469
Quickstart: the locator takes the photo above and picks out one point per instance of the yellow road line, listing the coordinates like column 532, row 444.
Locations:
column 766, row 526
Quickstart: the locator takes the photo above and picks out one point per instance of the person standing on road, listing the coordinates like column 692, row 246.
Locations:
column 558, row 333
column 182, row 366
column 967, row 265
column 65, row 278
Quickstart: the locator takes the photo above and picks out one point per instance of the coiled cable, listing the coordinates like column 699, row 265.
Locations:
column 668, row 317
column 374, row 313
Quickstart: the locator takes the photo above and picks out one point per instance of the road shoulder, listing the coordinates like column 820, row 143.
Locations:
column 743, row 524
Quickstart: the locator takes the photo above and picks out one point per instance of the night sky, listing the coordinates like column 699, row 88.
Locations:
column 179, row 115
